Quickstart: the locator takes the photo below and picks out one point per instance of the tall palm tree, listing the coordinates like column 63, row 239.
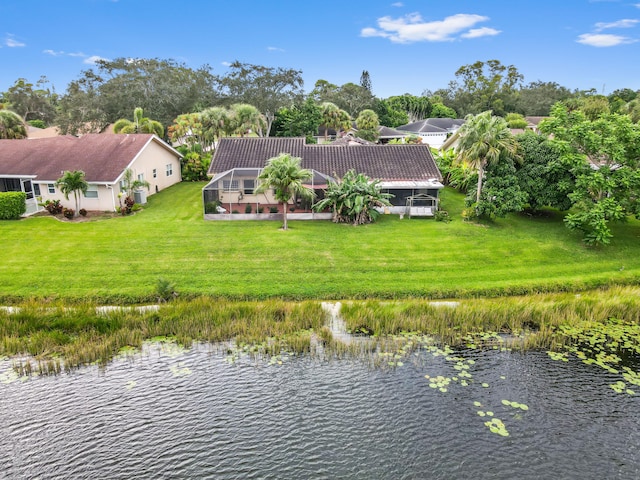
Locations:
column 73, row 182
column 286, row 177
column 12, row 127
column 140, row 124
column 248, row 118
column 483, row 138
column 330, row 116
column 214, row 120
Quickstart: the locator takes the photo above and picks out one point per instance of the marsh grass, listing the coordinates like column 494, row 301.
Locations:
column 523, row 323
column 57, row 337
column 54, row 337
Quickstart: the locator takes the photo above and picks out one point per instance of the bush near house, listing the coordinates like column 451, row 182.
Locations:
column 12, row 205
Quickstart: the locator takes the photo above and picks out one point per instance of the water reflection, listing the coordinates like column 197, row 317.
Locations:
column 190, row 414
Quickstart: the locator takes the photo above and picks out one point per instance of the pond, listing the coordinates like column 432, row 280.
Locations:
column 168, row 412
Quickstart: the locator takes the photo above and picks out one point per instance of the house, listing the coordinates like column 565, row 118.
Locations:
column 408, row 172
column 34, row 165
column 433, row 131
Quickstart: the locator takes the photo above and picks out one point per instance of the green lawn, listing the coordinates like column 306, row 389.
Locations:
column 121, row 259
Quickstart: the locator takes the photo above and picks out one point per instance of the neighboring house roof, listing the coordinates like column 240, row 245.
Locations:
column 388, row 132
column 350, row 139
column 103, row 158
column 34, row 132
column 432, row 125
column 382, row 162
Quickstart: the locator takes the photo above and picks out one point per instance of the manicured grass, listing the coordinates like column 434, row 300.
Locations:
column 120, row 259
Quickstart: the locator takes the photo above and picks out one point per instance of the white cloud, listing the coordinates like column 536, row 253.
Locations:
column 10, row 41
column 624, row 23
column 480, row 32
column 412, row 28
column 226, row 64
column 93, row 59
column 603, row 40
column 397, row 4
column 53, row 53
column 275, row 49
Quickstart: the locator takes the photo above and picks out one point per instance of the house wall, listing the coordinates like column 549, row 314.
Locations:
column 106, row 200
column 243, row 195
column 155, row 157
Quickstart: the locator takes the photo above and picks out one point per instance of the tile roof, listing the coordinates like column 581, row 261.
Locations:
column 432, row 125
column 383, row 162
column 103, row 158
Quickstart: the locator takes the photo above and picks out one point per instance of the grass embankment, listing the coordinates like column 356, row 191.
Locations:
column 119, row 260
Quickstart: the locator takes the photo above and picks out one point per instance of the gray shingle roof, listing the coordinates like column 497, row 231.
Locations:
column 103, row 158
column 432, row 125
column 382, row 162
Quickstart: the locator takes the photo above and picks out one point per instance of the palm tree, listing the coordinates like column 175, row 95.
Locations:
column 214, row 120
column 330, row 116
column 248, row 118
column 285, row 176
column 11, row 125
column 368, row 124
column 483, row 138
column 73, row 182
column 140, row 124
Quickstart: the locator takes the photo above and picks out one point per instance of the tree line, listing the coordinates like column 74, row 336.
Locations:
column 166, row 89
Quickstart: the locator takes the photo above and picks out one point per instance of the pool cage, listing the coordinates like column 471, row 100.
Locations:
column 233, row 191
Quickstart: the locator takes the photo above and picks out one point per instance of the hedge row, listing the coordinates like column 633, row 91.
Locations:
column 12, row 205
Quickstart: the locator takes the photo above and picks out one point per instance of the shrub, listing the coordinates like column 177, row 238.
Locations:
column 211, row 207
column 83, row 212
column 54, row 207
column 12, row 205
column 273, row 209
column 442, row 216
column 247, row 208
column 166, row 290
column 235, row 211
column 292, row 209
column 260, row 209
column 68, row 213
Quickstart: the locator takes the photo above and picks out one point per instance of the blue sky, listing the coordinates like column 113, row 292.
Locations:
column 406, row 46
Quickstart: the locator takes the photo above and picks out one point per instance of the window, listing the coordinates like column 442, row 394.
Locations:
column 169, row 169
column 141, row 177
column 248, row 186
column 36, row 189
column 155, row 173
column 92, row 192
column 51, row 188
column 230, row 185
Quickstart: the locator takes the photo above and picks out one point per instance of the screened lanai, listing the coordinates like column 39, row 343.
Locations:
column 233, row 191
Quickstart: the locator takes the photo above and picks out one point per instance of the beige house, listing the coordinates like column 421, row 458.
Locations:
column 34, row 165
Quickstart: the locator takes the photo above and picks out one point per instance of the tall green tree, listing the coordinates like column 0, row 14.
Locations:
column 12, row 126
column 140, row 124
column 285, row 176
column 334, row 117
column 247, row 118
column 214, row 120
column 483, row 139
column 416, row 108
column 32, row 102
column 367, row 124
column 73, row 182
column 299, row 121
column 545, row 175
column 81, row 108
column 609, row 189
column 165, row 87
column 266, row 88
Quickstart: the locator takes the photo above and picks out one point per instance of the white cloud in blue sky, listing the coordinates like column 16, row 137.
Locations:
column 10, row 41
column 412, row 28
column 598, row 39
